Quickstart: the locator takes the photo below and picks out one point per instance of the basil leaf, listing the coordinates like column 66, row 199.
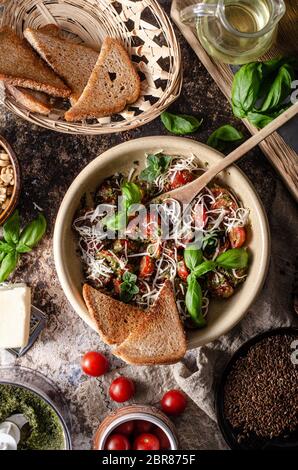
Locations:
column 192, row 257
column 204, row 268
column 222, row 135
column 11, row 229
column 180, row 124
column 237, row 258
column 157, row 164
column 8, row 265
column 131, row 193
column 20, row 248
column 33, row 232
column 261, row 120
column 116, row 222
column 271, row 66
column 280, row 89
column 6, row 247
column 128, row 288
column 193, row 301
column 129, row 277
column 246, row 88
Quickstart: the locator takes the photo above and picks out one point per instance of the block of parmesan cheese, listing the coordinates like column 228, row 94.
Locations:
column 15, row 308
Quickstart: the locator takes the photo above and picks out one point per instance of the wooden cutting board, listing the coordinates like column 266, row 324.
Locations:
column 282, row 147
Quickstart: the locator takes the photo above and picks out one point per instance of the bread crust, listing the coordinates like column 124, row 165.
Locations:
column 71, row 61
column 21, row 66
column 34, row 101
column 131, row 329
column 83, row 108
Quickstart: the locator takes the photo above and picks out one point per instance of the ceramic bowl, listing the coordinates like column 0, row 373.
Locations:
column 223, row 314
column 4, row 146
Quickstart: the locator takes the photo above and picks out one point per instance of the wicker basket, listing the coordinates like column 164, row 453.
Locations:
column 143, row 28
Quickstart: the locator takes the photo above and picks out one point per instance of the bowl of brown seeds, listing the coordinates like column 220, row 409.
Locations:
column 10, row 180
column 257, row 396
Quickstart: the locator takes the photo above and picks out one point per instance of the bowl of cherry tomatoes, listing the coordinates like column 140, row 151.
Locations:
column 136, row 427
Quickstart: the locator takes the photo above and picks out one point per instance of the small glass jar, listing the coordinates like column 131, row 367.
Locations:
column 135, row 413
column 236, row 31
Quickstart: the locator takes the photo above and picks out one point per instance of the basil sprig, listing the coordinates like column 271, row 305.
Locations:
column 156, row 165
column 131, row 194
column 223, row 136
column 236, row 258
column 17, row 242
column 128, row 287
column 180, row 124
column 260, row 90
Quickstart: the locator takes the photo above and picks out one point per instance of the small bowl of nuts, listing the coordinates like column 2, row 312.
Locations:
column 10, row 180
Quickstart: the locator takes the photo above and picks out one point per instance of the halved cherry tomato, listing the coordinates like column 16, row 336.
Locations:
column 94, row 363
column 237, row 236
column 162, row 437
column 143, row 426
column 146, row 442
column 173, row 402
column 182, row 270
column 147, row 266
column 122, row 389
column 117, row 442
column 180, row 178
column 126, row 428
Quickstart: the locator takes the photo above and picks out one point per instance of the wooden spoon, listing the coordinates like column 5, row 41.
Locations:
column 187, row 193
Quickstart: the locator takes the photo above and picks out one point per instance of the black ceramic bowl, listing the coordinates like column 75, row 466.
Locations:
column 230, row 434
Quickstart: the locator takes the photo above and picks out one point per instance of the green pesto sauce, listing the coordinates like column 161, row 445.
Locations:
column 44, row 431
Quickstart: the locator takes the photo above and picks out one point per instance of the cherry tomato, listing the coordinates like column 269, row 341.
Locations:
column 126, row 428
column 146, row 442
column 224, row 203
column 180, row 178
column 162, row 437
column 146, row 266
column 94, row 363
column 182, row 270
column 143, row 426
column 219, row 286
column 224, row 199
column 237, row 236
column 173, row 402
column 122, row 389
column 117, row 442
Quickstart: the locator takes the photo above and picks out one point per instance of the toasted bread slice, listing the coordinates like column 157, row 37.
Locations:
column 34, row 101
column 114, row 320
column 159, row 337
column 113, row 84
column 72, row 62
column 21, row 66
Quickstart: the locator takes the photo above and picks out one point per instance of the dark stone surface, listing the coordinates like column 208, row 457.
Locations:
column 50, row 161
